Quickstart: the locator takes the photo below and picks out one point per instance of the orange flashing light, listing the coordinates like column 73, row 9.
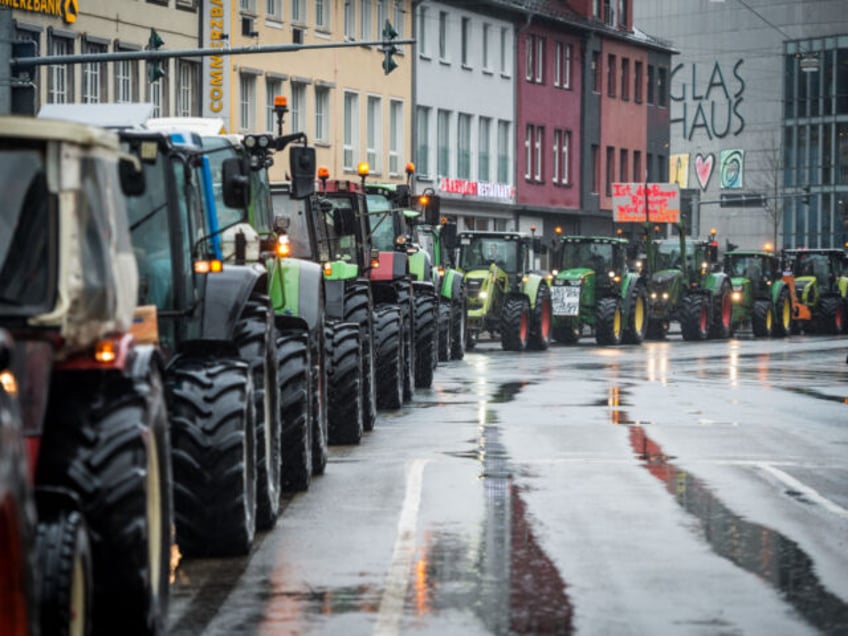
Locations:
column 375, row 263
column 323, row 172
column 281, row 101
column 363, row 169
column 105, row 352
column 557, row 230
column 768, row 247
column 328, row 269
column 283, row 246
column 410, row 168
column 424, row 200
column 216, row 266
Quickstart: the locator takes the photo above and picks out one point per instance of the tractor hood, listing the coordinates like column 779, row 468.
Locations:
column 582, row 274
column 664, row 278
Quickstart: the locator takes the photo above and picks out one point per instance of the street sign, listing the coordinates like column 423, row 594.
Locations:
column 629, row 202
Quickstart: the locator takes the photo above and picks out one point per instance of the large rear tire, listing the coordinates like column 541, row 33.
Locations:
column 541, row 320
column 444, row 349
column 345, row 416
column 387, row 333
column 425, row 337
column 782, row 314
column 214, row 455
column 830, row 318
column 65, row 576
column 694, row 317
column 358, row 310
column 762, row 319
column 407, row 314
column 608, row 322
column 458, row 329
column 319, row 361
column 254, row 336
column 293, row 376
column 722, row 313
column 108, row 442
column 515, row 323
column 636, row 326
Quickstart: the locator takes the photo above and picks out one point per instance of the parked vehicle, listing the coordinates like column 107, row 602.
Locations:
column 761, row 298
column 592, row 287
column 505, row 296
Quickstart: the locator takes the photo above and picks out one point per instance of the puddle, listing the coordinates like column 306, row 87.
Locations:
column 773, row 557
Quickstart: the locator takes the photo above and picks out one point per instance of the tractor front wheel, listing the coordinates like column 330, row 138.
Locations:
column 426, row 334
column 387, row 334
column 541, row 320
column 458, row 340
column 345, row 414
column 608, row 323
column 762, row 321
column 694, row 317
column 444, row 331
column 293, row 377
column 637, row 315
column 515, row 323
column 783, row 315
column 722, row 314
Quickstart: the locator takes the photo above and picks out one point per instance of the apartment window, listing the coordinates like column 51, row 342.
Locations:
column 247, row 6
column 60, row 79
column 373, row 133
column 637, row 82
column 274, row 9
column 528, row 152
column 596, row 8
column 625, row 79
column 399, row 23
column 297, row 111
column 423, row 31
column 463, row 154
column 322, row 14
column 622, row 13
column 322, row 114
column 366, row 20
column 622, row 165
column 157, row 94
column 562, row 142
column 298, row 8
column 649, row 167
column 350, row 19
column 94, row 86
column 562, row 65
column 535, row 59
column 503, row 52
column 422, row 153
column 637, row 166
column 189, row 81
column 443, row 35
column 126, row 81
column 382, row 15
column 650, row 83
column 662, row 168
column 483, row 142
column 540, row 60
column 351, row 130
column 503, row 152
column 611, row 76
column 610, row 176
column 608, row 16
column 596, row 71
column 247, row 98
column 396, row 129
column 596, row 168
column 464, row 36
column 662, row 88
column 487, row 28
column 273, row 87
column 443, row 143
column 538, row 172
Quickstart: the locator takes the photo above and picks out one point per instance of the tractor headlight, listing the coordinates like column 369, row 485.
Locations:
column 482, row 295
column 736, row 296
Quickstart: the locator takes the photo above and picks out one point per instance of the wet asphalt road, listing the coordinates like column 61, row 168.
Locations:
column 673, row 488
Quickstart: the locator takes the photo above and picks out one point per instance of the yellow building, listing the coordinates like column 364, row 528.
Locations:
column 340, row 97
column 64, row 27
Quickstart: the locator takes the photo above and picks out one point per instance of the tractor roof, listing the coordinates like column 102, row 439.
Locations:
column 50, row 129
column 615, row 240
column 507, row 236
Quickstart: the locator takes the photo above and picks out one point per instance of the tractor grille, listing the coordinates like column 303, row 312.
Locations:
column 472, row 287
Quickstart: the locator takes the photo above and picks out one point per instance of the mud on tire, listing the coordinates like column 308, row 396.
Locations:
column 214, row 455
column 293, row 377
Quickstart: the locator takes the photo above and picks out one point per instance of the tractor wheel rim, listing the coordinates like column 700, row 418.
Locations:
column 702, row 323
column 616, row 323
column 639, row 315
column 786, row 314
column 726, row 311
column 545, row 327
column 154, row 519
column 522, row 328
column 768, row 321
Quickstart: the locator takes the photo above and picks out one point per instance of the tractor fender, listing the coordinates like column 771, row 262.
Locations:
column 452, row 284
column 423, row 287
column 775, row 290
column 420, row 265
column 144, row 358
column 715, row 280
column 295, row 287
column 531, row 287
column 334, row 294
column 226, row 295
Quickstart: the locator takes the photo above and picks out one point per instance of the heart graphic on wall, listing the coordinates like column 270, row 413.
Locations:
column 704, row 169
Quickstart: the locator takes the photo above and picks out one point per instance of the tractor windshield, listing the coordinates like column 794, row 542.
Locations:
column 817, row 265
column 27, row 231
column 381, row 222
column 598, row 257
column 295, row 212
column 479, row 252
column 748, row 266
column 341, row 246
column 221, row 150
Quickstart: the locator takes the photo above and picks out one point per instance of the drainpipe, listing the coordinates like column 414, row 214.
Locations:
column 413, row 116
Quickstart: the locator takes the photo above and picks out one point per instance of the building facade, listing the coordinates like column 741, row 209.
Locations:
column 759, row 117
column 103, row 26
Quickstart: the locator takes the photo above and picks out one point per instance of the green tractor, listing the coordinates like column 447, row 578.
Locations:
column 761, row 298
column 683, row 285
column 593, row 287
column 820, row 289
column 504, row 295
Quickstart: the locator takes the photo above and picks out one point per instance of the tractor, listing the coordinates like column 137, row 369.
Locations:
column 684, row 285
column 819, row 280
column 761, row 298
column 593, row 287
column 504, row 295
column 92, row 395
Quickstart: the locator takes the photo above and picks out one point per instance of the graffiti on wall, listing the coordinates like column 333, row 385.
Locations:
column 731, row 169
column 708, row 100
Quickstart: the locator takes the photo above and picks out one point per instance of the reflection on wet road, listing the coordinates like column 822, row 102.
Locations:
column 677, row 488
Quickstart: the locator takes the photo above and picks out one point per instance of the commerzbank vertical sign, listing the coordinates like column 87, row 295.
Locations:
column 216, row 68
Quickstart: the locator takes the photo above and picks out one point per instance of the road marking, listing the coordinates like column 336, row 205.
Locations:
column 390, row 612
column 805, row 490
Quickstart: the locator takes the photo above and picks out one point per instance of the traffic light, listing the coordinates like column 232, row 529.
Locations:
column 154, row 67
column 389, row 49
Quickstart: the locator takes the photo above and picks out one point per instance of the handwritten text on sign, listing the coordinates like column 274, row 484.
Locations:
column 628, row 202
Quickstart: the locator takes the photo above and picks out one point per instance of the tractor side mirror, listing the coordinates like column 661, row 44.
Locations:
column 302, row 166
column 236, row 183
column 131, row 175
column 344, row 222
column 449, row 236
column 538, row 246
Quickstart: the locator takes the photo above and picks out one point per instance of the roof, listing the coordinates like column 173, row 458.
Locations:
column 19, row 127
column 103, row 115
